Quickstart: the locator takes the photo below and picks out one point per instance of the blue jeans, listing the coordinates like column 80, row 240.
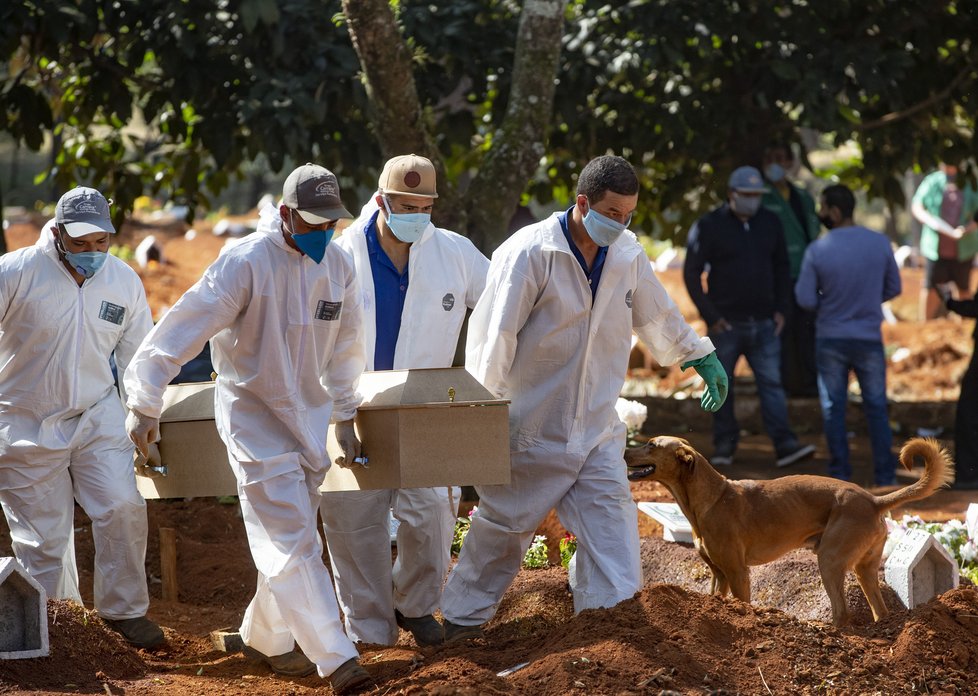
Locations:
column 756, row 341
column 835, row 357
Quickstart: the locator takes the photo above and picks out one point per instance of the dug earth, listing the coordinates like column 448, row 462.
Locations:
column 671, row 638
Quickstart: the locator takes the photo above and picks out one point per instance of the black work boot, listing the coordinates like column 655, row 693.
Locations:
column 425, row 629
column 139, row 632
column 290, row 664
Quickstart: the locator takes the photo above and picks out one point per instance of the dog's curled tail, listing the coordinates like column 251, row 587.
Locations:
column 938, row 472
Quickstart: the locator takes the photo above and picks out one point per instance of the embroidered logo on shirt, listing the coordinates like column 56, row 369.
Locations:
column 628, row 298
column 448, row 301
column 328, row 311
column 112, row 313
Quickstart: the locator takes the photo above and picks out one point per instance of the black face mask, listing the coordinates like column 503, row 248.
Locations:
column 827, row 221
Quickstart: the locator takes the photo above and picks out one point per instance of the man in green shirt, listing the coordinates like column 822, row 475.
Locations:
column 948, row 240
column 795, row 207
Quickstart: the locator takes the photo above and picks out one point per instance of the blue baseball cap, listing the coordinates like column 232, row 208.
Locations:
column 746, row 179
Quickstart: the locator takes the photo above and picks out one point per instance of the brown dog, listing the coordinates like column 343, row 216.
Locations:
column 737, row 524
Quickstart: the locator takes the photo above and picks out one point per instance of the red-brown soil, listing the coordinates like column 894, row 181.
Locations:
column 671, row 638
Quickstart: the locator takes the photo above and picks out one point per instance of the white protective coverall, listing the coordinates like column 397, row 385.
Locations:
column 288, row 350
column 62, row 424
column 536, row 339
column 446, row 274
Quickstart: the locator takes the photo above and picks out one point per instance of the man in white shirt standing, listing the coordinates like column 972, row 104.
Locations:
column 417, row 281
column 283, row 313
column 66, row 307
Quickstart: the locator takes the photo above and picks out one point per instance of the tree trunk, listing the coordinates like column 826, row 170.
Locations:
column 398, row 118
column 519, row 144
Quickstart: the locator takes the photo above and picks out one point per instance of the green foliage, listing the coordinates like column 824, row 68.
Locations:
column 536, row 554
column 688, row 91
column 123, row 252
column 568, row 545
column 462, row 525
column 685, row 91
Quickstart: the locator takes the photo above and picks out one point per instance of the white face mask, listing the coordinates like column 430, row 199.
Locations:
column 745, row 205
column 603, row 230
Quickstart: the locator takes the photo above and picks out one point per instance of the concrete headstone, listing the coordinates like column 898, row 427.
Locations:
column 919, row 568
column 675, row 526
column 23, row 613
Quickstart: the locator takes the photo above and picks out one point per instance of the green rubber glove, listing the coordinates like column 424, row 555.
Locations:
column 715, row 377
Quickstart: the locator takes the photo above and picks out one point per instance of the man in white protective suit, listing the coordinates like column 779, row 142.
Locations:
column 417, row 281
column 552, row 334
column 283, row 312
column 66, row 307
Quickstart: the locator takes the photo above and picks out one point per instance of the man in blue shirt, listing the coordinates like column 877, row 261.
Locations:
column 416, row 281
column 845, row 277
column 749, row 294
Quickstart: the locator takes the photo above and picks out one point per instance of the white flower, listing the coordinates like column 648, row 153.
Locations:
column 631, row 413
column 969, row 552
column 892, row 526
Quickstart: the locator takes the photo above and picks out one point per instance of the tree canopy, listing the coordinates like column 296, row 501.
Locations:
column 509, row 99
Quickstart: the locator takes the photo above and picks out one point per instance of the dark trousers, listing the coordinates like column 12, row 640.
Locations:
column 966, row 425
column 799, row 375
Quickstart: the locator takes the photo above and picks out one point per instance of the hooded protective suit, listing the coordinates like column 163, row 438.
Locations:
column 288, row 350
column 447, row 274
column 62, row 433
column 535, row 338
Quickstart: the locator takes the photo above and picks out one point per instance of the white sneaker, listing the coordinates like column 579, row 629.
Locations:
column 796, row 455
column 722, row 460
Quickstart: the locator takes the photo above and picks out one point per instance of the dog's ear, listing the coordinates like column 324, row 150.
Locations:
column 686, row 456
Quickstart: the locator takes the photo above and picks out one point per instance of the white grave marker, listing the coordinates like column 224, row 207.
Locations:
column 675, row 526
column 971, row 519
column 23, row 613
column 919, row 568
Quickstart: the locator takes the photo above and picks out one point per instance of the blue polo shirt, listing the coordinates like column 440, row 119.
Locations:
column 390, row 289
column 594, row 275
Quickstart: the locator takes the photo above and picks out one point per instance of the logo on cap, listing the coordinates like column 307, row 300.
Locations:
column 85, row 206
column 325, row 188
column 412, row 179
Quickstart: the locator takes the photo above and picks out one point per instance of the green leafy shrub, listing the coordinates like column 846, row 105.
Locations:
column 568, row 545
column 536, row 555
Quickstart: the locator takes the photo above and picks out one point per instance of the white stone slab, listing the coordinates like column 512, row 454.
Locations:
column 971, row 520
column 23, row 613
column 919, row 568
column 675, row 526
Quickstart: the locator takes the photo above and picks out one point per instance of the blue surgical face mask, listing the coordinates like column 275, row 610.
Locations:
column 313, row 244
column 408, row 227
column 602, row 230
column 86, row 263
column 774, row 172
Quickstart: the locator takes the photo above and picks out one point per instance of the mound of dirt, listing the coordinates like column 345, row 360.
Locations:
column 83, row 652
column 670, row 638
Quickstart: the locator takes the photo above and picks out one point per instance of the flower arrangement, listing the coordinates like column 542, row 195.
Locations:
column 568, row 545
column 633, row 415
column 536, row 555
column 952, row 535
